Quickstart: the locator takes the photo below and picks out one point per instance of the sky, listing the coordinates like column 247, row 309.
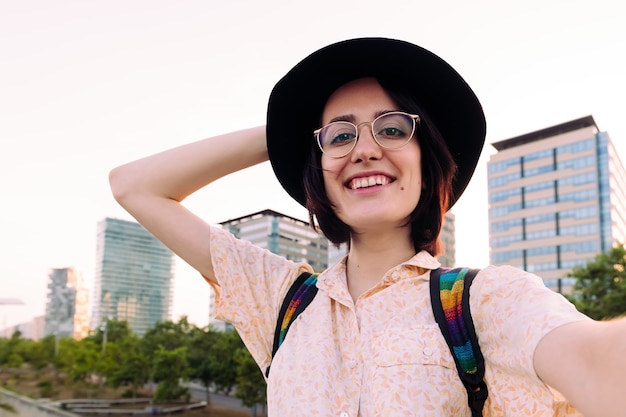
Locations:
column 89, row 85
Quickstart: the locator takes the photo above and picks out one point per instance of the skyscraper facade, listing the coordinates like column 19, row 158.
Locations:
column 67, row 312
column 134, row 279
column 557, row 199
column 447, row 237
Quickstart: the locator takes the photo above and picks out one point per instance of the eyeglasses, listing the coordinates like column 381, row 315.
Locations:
column 391, row 130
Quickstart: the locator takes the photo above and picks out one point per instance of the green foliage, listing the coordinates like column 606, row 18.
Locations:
column 600, row 289
column 167, row 354
column 86, row 359
column 251, row 386
column 169, row 367
column 66, row 353
column 133, row 369
column 11, row 351
column 167, row 334
column 45, row 388
column 117, row 331
column 201, row 358
column 223, row 361
column 14, row 360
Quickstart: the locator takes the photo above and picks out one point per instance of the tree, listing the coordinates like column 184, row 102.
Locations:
column 133, row 370
column 65, row 356
column 169, row 367
column 86, row 360
column 116, row 331
column 164, row 335
column 251, row 386
column 223, row 360
column 201, row 343
column 600, row 289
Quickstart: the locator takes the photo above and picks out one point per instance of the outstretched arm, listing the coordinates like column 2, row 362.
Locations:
column 151, row 188
column 586, row 362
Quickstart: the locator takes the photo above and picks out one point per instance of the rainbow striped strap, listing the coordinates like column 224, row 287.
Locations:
column 449, row 293
column 299, row 296
column 303, row 292
column 451, row 286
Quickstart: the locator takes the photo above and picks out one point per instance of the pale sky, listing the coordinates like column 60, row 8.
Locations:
column 88, row 85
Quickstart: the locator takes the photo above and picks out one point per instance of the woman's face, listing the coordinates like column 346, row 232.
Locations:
column 371, row 187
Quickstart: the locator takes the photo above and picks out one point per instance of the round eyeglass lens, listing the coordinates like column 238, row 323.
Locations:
column 393, row 130
column 337, row 138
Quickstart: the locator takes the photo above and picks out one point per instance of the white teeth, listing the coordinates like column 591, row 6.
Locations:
column 369, row 181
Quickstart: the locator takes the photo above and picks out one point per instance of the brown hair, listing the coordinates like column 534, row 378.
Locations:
column 438, row 171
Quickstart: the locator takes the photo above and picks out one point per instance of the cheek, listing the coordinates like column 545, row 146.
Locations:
column 332, row 183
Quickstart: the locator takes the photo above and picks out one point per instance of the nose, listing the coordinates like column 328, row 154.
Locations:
column 366, row 147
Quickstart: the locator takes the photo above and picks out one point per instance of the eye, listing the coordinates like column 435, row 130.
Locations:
column 337, row 134
column 342, row 138
column 390, row 132
column 393, row 126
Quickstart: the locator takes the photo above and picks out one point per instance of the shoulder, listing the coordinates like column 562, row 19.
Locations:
column 508, row 295
column 506, row 274
column 507, row 283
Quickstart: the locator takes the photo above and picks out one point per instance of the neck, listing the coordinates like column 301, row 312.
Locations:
column 370, row 257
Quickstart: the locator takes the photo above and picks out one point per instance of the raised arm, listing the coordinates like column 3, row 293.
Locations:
column 586, row 362
column 151, row 188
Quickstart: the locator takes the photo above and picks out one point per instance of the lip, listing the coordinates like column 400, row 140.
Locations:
column 368, row 174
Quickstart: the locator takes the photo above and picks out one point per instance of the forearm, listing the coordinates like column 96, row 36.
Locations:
column 586, row 362
column 608, row 370
column 178, row 172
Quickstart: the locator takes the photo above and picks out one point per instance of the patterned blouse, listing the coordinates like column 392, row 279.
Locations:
column 384, row 355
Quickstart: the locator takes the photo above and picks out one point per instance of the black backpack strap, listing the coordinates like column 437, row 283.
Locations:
column 450, row 288
column 299, row 296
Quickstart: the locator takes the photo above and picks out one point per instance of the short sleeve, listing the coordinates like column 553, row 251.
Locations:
column 512, row 311
column 252, row 283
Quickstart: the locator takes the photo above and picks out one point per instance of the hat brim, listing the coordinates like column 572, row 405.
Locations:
column 298, row 99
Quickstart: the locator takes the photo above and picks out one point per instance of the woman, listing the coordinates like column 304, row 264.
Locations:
column 377, row 138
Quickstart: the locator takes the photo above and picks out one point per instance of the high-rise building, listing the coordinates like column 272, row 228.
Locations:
column 67, row 304
column 557, row 198
column 448, row 241
column 134, row 279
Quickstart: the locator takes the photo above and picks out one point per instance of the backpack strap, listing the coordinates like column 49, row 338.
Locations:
column 299, row 296
column 449, row 294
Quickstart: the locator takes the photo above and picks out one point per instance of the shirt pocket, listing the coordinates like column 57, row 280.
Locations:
column 421, row 345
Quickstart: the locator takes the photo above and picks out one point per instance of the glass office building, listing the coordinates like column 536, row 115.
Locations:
column 556, row 200
column 66, row 305
column 134, row 279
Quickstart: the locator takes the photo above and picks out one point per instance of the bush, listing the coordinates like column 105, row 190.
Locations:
column 45, row 388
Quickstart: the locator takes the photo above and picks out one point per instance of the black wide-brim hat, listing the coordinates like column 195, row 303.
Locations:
column 298, row 99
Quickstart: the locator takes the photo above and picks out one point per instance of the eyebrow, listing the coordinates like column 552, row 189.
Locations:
column 351, row 118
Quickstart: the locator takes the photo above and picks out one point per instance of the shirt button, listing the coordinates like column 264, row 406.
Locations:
column 343, row 415
column 351, row 364
column 428, row 351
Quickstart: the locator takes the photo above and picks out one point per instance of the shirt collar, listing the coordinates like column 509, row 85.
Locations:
column 413, row 267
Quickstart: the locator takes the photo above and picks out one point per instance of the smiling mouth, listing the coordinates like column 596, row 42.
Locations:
column 371, row 181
